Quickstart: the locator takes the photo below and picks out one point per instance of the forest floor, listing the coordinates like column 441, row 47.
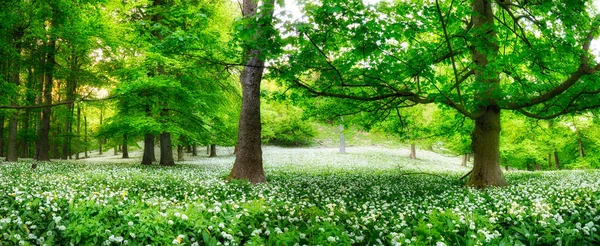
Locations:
column 314, row 196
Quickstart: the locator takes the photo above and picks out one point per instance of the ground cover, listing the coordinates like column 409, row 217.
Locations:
column 314, row 196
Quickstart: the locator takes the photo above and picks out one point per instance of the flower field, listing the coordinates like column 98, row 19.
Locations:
column 371, row 196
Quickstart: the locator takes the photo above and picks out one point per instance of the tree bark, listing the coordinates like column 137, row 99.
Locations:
column 100, row 139
column 78, row 134
column 248, row 162
column 85, row 137
column 580, row 144
column 486, row 133
column 12, row 154
column 188, row 149
column 43, row 145
column 179, row 152
column 148, row 157
column 2, row 136
column 213, row 150
column 124, row 148
column 342, row 140
column 194, row 150
column 556, row 161
column 166, row 150
column 413, row 151
column 464, row 160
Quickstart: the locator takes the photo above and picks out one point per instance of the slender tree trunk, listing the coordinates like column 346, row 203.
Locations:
column 188, row 149
column 24, row 153
column 464, row 160
column 342, row 140
column 116, row 150
column 556, row 161
column 85, row 137
column 78, row 134
column 550, row 161
column 469, row 157
column 100, row 139
column 580, row 144
column 179, row 152
column 166, row 150
column 194, row 150
column 413, row 151
column 13, row 147
column 2, row 136
column 213, row 150
column 207, row 149
column 148, row 157
column 124, row 148
column 43, row 145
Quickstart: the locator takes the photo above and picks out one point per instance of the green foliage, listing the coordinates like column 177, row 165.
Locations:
column 284, row 125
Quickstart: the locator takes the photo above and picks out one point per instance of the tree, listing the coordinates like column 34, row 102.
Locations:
column 478, row 59
column 248, row 162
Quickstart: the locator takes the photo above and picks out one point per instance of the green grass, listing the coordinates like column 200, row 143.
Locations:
column 314, row 196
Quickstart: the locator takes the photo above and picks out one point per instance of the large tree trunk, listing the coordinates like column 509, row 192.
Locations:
column 124, row 148
column 148, row 157
column 486, row 149
column 486, row 134
column 248, row 162
column 213, row 150
column 413, row 151
column 556, row 161
column 43, row 145
column 166, row 150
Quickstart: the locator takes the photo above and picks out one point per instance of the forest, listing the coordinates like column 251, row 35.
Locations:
column 309, row 122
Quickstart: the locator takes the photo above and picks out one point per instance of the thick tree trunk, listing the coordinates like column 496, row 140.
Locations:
column 166, row 150
column 43, row 145
column 148, row 157
column 124, row 148
column 179, row 152
column 486, row 149
column 213, row 150
column 556, row 161
column 194, row 150
column 464, row 160
column 580, row 144
column 486, row 134
column 248, row 162
column 413, row 151
column 2, row 136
